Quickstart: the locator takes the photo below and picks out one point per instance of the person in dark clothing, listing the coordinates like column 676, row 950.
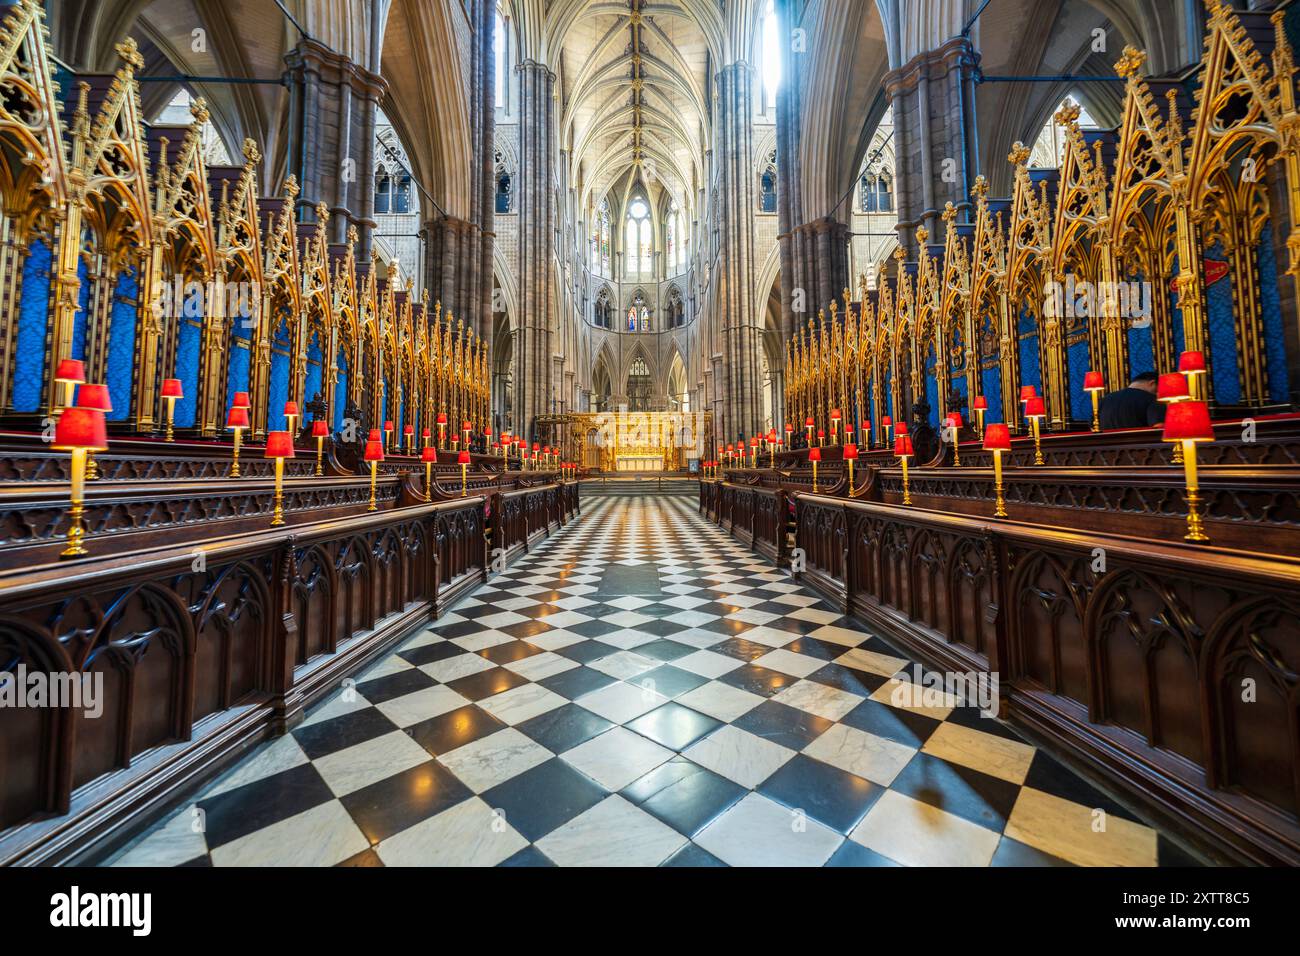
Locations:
column 1132, row 407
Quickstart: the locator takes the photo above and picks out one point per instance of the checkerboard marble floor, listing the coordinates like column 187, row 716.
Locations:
column 643, row 691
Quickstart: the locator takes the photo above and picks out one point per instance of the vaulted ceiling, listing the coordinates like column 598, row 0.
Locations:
column 633, row 84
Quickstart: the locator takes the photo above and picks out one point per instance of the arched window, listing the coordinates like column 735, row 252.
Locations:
column 638, row 385
column 499, row 41
column 676, row 309
column 603, row 311
column 402, row 193
column 504, row 196
column 771, row 56
column 767, row 186
column 383, row 191
column 637, row 242
column 670, row 245
column 1049, row 150
column 638, row 314
column 877, row 196
column 601, row 238
column 177, row 113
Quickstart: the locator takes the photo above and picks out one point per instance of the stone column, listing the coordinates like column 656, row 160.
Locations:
column 332, row 108
column 934, row 128
column 536, row 197
column 741, row 332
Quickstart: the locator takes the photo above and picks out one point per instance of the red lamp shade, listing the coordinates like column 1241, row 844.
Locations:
column 388, row 425
column 900, row 428
column 81, row 428
column 487, row 433
column 809, row 423
column 1188, row 421
column 789, row 427
column 237, row 417
column 980, row 403
column 291, row 408
column 462, row 458
column 241, row 400
column 821, row 433
column 850, row 452
column 172, row 388
column 885, row 421
column 426, row 433
column 466, row 425
column 441, row 419
column 279, row 445
column 95, row 397
column 1035, row 407
column 997, row 437
column 71, row 370
column 319, row 428
column 903, row 446
column 956, row 419
column 374, row 451
column 408, row 429
column 1172, row 387
column 771, row 436
column 814, row 454
column 1027, row 392
column 730, row 448
column 429, row 454
column 835, row 415
column 375, row 435
column 537, row 446
column 1189, row 363
column 753, row 442
column 1092, row 382
column 496, row 444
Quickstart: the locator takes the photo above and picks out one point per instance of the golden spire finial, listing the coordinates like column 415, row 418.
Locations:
column 949, row 213
column 291, row 186
column 1019, row 154
column 129, row 51
column 922, row 234
column 1068, row 114
column 1129, row 65
column 251, row 153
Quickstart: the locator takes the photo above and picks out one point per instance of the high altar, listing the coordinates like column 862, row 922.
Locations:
column 638, row 441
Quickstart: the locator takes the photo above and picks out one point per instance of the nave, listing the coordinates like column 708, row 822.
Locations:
column 642, row 690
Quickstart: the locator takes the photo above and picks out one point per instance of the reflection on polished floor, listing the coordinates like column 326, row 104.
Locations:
column 643, row 691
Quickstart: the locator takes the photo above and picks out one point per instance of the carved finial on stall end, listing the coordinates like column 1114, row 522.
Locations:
column 1131, row 61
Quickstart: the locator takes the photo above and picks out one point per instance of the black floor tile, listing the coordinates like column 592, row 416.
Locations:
column 692, row 855
column 564, row 727
column 576, row 681
column 485, row 684
column 966, row 793
column 509, row 652
column 529, row 856
column 365, row 858
column 670, row 681
column 446, row 732
column 741, row 649
column 396, row 685
column 826, row 794
column 255, row 806
column 758, row 680
column 524, row 629
column 892, row 723
column 783, row 724
column 588, row 651
column 338, row 733
column 684, row 795
column 429, row 653
column 664, row 649
column 404, row 799
column 847, row 679
column 674, row 726
column 1048, row 774
column 1014, row 853
column 545, row 797
column 855, row 854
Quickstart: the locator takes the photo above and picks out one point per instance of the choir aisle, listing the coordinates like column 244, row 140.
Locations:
column 643, row 691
